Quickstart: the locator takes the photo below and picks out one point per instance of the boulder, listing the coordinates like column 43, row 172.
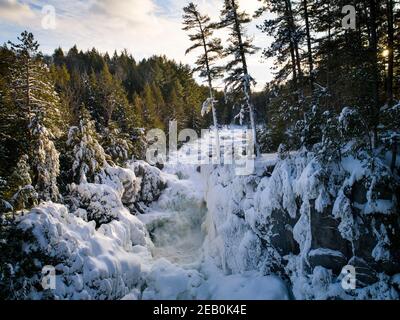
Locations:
column 152, row 181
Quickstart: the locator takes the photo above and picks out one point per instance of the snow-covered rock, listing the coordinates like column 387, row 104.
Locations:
column 91, row 264
column 306, row 221
column 99, row 249
column 152, row 181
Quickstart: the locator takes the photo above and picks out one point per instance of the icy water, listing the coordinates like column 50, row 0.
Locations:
column 178, row 241
column 177, row 230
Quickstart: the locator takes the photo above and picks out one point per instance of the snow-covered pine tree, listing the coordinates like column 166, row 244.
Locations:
column 287, row 105
column 45, row 161
column 239, row 81
column 116, row 144
column 212, row 51
column 106, row 95
column 19, row 188
column 38, row 105
column 88, row 155
column 12, row 130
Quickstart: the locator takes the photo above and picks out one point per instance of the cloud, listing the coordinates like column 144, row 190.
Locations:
column 143, row 27
column 135, row 12
column 14, row 11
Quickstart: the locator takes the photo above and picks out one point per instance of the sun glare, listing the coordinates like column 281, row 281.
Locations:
column 385, row 53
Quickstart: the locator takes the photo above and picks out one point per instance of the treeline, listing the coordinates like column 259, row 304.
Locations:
column 333, row 84
column 156, row 90
column 63, row 116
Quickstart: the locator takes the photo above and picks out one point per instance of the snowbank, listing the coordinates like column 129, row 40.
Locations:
column 99, row 248
column 93, row 264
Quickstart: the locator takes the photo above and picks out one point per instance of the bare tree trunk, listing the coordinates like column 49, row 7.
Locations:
column 328, row 68
column 210, row 86
column 291, row 45
column 294, row 70
column 292, row 26
column 246, row 83
column 390, row 48
column 375, row 71
column 309, row 47
column 28, row 90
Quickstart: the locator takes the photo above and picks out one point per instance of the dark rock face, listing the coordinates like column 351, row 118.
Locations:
column 366, row 275
column 325, row 234
column 282, row 233
column 379, row 233
column 359, row 192
column 375, row 249
column 309, row 218
column 328, row 261
column 328, row 248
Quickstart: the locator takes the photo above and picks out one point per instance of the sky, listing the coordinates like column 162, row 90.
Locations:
column 143, row 27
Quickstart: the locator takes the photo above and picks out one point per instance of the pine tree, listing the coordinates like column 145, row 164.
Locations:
column 149, row 110
column 177, row 102
column 305, row 8
column 239, row 80
column 12, row 129
column 286, row 34
column 88, row 155
column 138, row 109
column 21, row 176
column 159, row 104
column 116, row 144
column 39, row 106
column 212, row 52
column 46, row 163
column 390, row 50
column 61, row 78
column 32, row 89
column 192, row 107
column 19, row 189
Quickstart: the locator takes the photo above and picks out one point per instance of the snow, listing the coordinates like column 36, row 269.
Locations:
column 105, row 252
column 381, row 251
column 203, row 233
column 246, row 286
column 179, row 223
column 96, row 264
column 301, row 230
column 324, row 251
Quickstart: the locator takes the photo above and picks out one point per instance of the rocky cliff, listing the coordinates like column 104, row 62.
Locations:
column 308, row 222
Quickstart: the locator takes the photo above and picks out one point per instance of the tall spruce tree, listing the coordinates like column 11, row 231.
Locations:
column 87, row 154
column 39, row 106
column 149, row 109
column 239, row 81
column 212, row 51
column 287, row 36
